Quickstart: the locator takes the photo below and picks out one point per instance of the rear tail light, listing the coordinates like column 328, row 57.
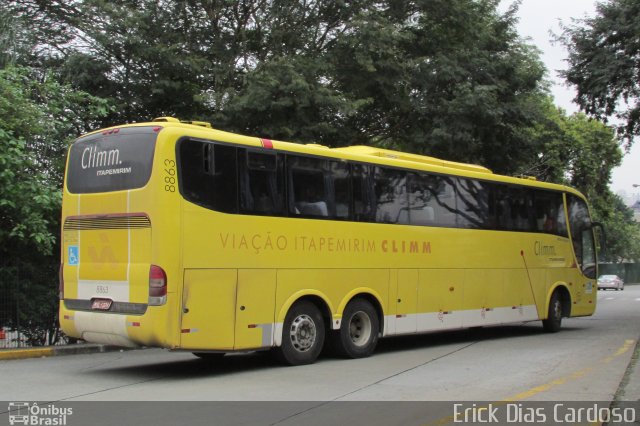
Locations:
column 61, row 281
column 157, row 286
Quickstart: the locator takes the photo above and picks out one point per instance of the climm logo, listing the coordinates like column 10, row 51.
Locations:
column 543, row 250
column 395, row 246
column 93, row 158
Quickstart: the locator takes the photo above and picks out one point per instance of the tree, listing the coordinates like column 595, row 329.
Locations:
column 604, row 64
column 445, row 78
column 14, row 41
column 582, row 152
column 37, row 117
column 595, row 154
column 622, row 232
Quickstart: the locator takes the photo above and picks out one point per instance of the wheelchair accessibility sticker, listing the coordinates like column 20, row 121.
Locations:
column 74, row 256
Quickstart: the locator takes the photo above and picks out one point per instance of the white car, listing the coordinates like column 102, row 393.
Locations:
column 613, row 282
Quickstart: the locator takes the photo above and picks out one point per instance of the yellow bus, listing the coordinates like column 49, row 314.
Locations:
column 180, row 236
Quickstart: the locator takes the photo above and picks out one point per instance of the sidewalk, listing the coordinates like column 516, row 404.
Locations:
column 629, row 389
column 83, row 348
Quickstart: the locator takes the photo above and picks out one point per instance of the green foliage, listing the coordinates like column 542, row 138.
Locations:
column 582, row 152
column 448, row 78
column 26, row 203
column 622, row 232
column 14, row 40
column 285, row 99
column 604, row 63
column 38, row 116
column 595, row 154
column 444, row 78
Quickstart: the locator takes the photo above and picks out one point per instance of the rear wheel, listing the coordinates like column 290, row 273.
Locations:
column 358, row 335
column 554, row 318
column 303, row 335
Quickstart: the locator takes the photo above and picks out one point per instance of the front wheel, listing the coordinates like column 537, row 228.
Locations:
column 358, row 335
column 554, row 318
column 302, row 335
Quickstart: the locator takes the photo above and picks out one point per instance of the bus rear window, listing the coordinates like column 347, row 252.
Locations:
column 111, row 161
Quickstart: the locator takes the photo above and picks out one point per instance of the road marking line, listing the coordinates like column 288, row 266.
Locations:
column 624, row 348
column 576, row 375
column 628, row 344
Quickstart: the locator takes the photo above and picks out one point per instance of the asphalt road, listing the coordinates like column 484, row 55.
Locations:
column 584, row 362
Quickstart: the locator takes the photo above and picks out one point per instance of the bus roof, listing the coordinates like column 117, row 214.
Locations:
column 361, row 153
column 432, row 161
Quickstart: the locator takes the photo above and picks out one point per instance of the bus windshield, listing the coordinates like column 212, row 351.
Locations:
column 114, row 160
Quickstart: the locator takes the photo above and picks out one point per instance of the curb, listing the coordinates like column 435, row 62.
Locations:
column 25, row 353
column 9, row 354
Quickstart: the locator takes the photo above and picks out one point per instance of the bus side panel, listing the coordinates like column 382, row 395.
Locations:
column 255, row 308
column 407, row 301
column 484, row 297
column 208, row 309
column 520, row 296
column 440, row 299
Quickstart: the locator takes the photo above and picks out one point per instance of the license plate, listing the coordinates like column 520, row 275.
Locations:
column 101, row 304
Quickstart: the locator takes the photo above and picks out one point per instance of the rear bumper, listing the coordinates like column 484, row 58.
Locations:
column 96, row 327
column 126, row 324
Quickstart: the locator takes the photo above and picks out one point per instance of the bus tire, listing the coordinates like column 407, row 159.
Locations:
column 303, row 334
column 358, row 335
column 554, row 318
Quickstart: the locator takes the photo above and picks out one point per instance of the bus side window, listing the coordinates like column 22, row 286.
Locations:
column 208, row 175
column 308, row 192
column 475, row 204
column 513, row 207
column 362, row 193
column 392, row 201
column 432, row 200
column 420, row 212
column 549, row 214
column 261, row 183
column 340, row 189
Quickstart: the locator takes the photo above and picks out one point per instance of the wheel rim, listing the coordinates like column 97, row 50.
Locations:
column 303, row 333
column 360, row 328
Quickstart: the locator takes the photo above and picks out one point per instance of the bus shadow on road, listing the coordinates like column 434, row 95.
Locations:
column 470, row 335
column 190, row 366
